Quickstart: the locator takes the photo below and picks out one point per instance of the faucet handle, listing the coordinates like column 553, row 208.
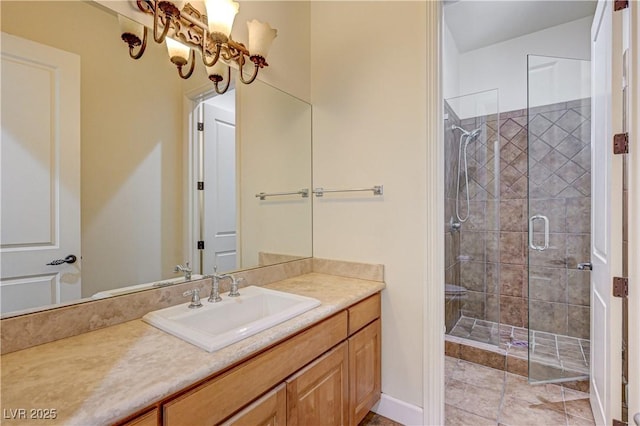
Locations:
column 195, row 298
column 184, row 269
column 234, row 286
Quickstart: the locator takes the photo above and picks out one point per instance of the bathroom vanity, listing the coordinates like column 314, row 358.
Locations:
column 326, row 374
column 322, row 366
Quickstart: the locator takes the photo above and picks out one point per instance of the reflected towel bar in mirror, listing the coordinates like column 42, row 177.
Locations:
column 377, row 190
column 304, row 193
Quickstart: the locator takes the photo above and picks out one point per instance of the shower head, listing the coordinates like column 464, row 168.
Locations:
column 470, row 134
column 474, row 133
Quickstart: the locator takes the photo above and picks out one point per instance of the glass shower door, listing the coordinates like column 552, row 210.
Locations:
column 559, row 203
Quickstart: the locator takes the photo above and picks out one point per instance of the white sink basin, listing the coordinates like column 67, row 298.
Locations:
column 216, row 325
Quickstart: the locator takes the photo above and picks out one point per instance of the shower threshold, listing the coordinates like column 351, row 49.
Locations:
column 550, row 353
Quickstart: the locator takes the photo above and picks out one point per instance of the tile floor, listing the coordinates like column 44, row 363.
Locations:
column 476, row 395
column 562, row 352
column 373, row 419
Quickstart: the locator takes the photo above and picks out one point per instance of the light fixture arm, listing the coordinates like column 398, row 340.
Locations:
column 241, row 62
column 142, row 47
column 192, row 59
column 216, row 54
column 217, row 79
column 170, row 11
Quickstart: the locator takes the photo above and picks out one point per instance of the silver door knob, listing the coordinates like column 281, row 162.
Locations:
column 585, row 266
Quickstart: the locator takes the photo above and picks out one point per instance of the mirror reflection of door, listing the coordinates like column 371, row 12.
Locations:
column 219, row 155
column 40, row 190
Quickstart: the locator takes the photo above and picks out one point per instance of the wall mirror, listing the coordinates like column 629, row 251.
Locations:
column 135, row 181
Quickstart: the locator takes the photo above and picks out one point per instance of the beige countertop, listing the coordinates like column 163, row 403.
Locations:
column 108, row 374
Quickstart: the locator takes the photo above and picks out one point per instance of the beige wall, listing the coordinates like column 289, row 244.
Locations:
column 131, row 122
column 368, row 77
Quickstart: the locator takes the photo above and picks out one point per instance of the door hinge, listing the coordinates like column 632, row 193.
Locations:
column 201, row 127
column 200, row 186
column 620, row 287
column 200, row 245
column 618, row 423
column 621, row 143
column 620, row 4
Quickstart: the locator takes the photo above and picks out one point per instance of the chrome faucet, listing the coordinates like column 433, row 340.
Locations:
column 185, row 269
column 195, row 298
column 215, row 285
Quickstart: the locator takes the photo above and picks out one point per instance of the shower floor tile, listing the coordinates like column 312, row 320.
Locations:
column 479, row 395
column 562, row 353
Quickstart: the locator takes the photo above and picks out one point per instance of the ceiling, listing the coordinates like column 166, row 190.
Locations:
column 478, row 23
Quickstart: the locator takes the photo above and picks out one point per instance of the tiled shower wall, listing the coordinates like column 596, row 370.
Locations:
column 470, row 252
column 494, row 241
column 451, row 239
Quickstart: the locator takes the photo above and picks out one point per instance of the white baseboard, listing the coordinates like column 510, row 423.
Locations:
column 398, row 411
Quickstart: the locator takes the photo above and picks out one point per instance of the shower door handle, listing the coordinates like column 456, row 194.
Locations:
column 586, row 266
column 545, row 219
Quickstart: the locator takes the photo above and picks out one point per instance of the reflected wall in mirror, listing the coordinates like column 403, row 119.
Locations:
column 134, row 164
column 275, row 143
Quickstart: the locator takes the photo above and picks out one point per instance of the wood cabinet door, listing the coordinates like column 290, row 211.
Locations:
column 269, row 410
column 214, row 401
column 318, row 394
column 364, row 371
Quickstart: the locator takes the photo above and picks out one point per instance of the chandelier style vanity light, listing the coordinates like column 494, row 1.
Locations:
column 184, row 29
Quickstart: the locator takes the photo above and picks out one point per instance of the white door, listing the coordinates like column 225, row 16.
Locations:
column 40, row 177
column 220, row 230
column 606, row 216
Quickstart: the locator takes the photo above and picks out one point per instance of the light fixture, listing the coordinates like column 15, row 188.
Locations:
column 134, row 34
column 210, row 33
column 180, row 55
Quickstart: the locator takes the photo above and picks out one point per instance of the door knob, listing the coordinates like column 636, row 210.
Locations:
column 69, row 259
column 585, row 265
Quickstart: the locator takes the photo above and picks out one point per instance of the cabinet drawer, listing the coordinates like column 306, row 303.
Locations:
column 147, row 419
column 269, row 410
column 214, row 401
column 363, row 313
